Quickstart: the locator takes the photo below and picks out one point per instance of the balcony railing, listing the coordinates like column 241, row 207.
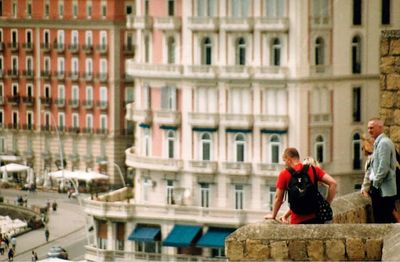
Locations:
column 237, row 24
column 167, row 117
column 102, row 77
column 13, row 73
column 2, row 74
column 45, row 47
column 235, row 71
column 202, row 71
column 73, row 103
column 206, row 167
column 320, row 70
column 265, row 169
column 88, row 76
column 156, row 163
column 13, row 46
column 102, row 104
column 59, row 75
column 88, row 48
column 28, row 47
column 28, row 100
column 236, row 120
column 321, row 119
column 46, row 101
column 27, row 74
column 236, row 168
column 87, row 130
column 203, row 23
column 129, row 50
column 28, row 126
column 102, row 131
column 154, row 70
column 73, row 76
column 74, row 130
column 14, row 126
column 73, row 48
column 59, row 47
column 142, row 116
column 102, row 49
column 204, row 119
column 270, row 72
column 167, row 23
column 139, row 22
column 278, row 122
column 45, row 128
column 88, row 104
column 14, row 100
column 59, row 102
column 280, row 24
column 45, row 74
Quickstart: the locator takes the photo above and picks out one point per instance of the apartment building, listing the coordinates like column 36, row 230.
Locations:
column 63, row 86
column 222, row 88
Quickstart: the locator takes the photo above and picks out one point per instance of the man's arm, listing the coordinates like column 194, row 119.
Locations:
column 279, row 194
column 331, row 183
column 383, row 158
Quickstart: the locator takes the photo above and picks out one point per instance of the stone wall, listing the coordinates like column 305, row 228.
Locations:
column 349, row 237
column 390, row 84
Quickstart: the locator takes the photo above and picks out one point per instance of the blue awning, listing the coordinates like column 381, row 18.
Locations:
column 146, row 234
column 182, row 236
column 165, row 127
column 215, row 237
column 273, row 131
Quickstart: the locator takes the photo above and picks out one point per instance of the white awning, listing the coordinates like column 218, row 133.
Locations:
column 10, row 158
column 78, row 175
column 14, row 168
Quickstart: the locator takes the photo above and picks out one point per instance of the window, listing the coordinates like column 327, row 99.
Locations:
column 103, row 39
column 46, row 37
column 14, row 10
column 129, row 10
column 146, row 97
column 88, row 38
column 14, row 38
column 205, row 144
column 89, row 121
column 75, row 95
column 240, row 51
column 205, row 195
column 239, row 197
column 321, row 11
column 89, row 66
column 239, row 148
column 271, row 197
column 171, row 7
column 61, row 121
column 75, row 9
column 276, row 52
column 1, row 65
column 274, row 8
column 47, row 91
column 103, row 9
column 357, row 104
column 206, row 8
column 356, row 55
column 47, row 8
column 29, row 90
column 356, row 151
column 60, row 66
column 75, row 66
column 1, row 119
column 28, row 8
column 120, row 236
column 29, row 119
column 146, row 7
column 274, row 148
column 15, row 119
column 29, row 65
column 2, row 143
column 171, row 50
column 206, row 51
column 61, row 8
column 319, row 51
column 103, row 68
column 14, row 89
column 146, row 48
column 170, row 192
column 47, row 64
column 61, row 92
column 319, row 149
column 168, row 98
column 146, row 141
column 240, row 8
column 170, row 144
column 103, row 122
column 129, row 94
column 75, row 120
column 89, row 9
column 1, row 14
column 74, row 38
column 357, row 12
column 89, row 95
column 386, row 17
column 103, row 94
column 60, row 39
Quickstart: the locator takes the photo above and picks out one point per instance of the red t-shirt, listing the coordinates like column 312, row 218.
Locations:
column 283, row 182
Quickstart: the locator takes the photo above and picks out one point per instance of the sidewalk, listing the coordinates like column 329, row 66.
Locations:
column 66, row 220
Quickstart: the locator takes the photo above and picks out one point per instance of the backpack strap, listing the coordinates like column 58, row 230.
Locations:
column 293, row 172
column 315, row 177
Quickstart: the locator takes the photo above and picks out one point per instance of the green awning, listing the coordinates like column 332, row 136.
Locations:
column 182, row 236
column 146, row 234
column 215, row 237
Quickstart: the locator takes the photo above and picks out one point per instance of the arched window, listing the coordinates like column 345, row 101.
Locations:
column 356, row 55
column 319, row 51
column 171, row 144
column 274, row 148
column 319, row 148
column 205, row 147
column 240, row 143
column 356, row 151
column 276, row 52
column 241, row 51
column 171, row 50
column 206, row 51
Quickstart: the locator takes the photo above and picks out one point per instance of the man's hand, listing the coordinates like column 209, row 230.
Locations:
column 269, row 216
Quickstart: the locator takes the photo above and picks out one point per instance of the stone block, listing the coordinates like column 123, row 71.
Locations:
column 355, row 249
column 297, row 250
column 382, row 81
column 335, row 249
column 234, row 250
column 384, row 48
column 394, row 134
column 392, row 82
column 396, row 117
column 315, row 250
column 279, row 250
column 387, row 64
column 394, row 47
column 374, row 249
column 388, row 99
column 256, row 250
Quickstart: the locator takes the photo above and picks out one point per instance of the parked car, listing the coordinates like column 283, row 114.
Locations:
column 57, row 252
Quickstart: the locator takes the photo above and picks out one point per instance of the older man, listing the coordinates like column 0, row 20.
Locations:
column 382, row 174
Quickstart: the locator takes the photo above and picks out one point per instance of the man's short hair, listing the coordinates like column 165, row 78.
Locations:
column 377, row 120
column 291, row 152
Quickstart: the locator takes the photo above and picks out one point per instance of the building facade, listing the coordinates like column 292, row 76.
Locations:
column 63, row 85
column 221, row 88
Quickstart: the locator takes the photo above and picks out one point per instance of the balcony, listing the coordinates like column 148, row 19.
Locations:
column 1, row 46
column 45, row 74
column 167, row 23
column 102, row 104
column 237, row 24
column 154, row 70
column 59, row 102
column 28, row 47
column 203, row 23
column 202, row 71
column 59, row 75
column 321, row 70
column 203, row 167
column 13, row 126
column 102, row 49
column 2, row 100
column 88, row 76
column 73, row 48
column 270, row 72
column 235, row 72
column 46, row 101
column 87, row 130
column 2, row 74
column 153, row 163
column 102, row 77
column 74, row 130
column 142, row 116
column 139, row 22
column 129, row 50
column 13, row 100
column 128, row 79
column 321, row 120
column 264, row 169
column 167, row 117
column 88, row 104
column 236, row 168
column 278, row 122
column 30, row 127
column 13, row 73
column 244, row 121
column 45, row 47
column 73, row 76
column 73, row 103
column 204, row 119
column 88, row 48
column 28, row 74
column 278, row 24
column 46, row 128
column 321, row 22
column 59, row 47
column 13, row 46
column 102, row 131
column 28, row 100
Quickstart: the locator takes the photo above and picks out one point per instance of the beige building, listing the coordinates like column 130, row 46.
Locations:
column 221, row 88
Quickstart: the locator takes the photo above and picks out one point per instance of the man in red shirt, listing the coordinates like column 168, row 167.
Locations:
column 291, row 158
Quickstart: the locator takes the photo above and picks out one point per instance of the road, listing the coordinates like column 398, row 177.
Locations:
column 66, row 225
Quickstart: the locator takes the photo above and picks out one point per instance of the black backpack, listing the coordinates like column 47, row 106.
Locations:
column 302, row 193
